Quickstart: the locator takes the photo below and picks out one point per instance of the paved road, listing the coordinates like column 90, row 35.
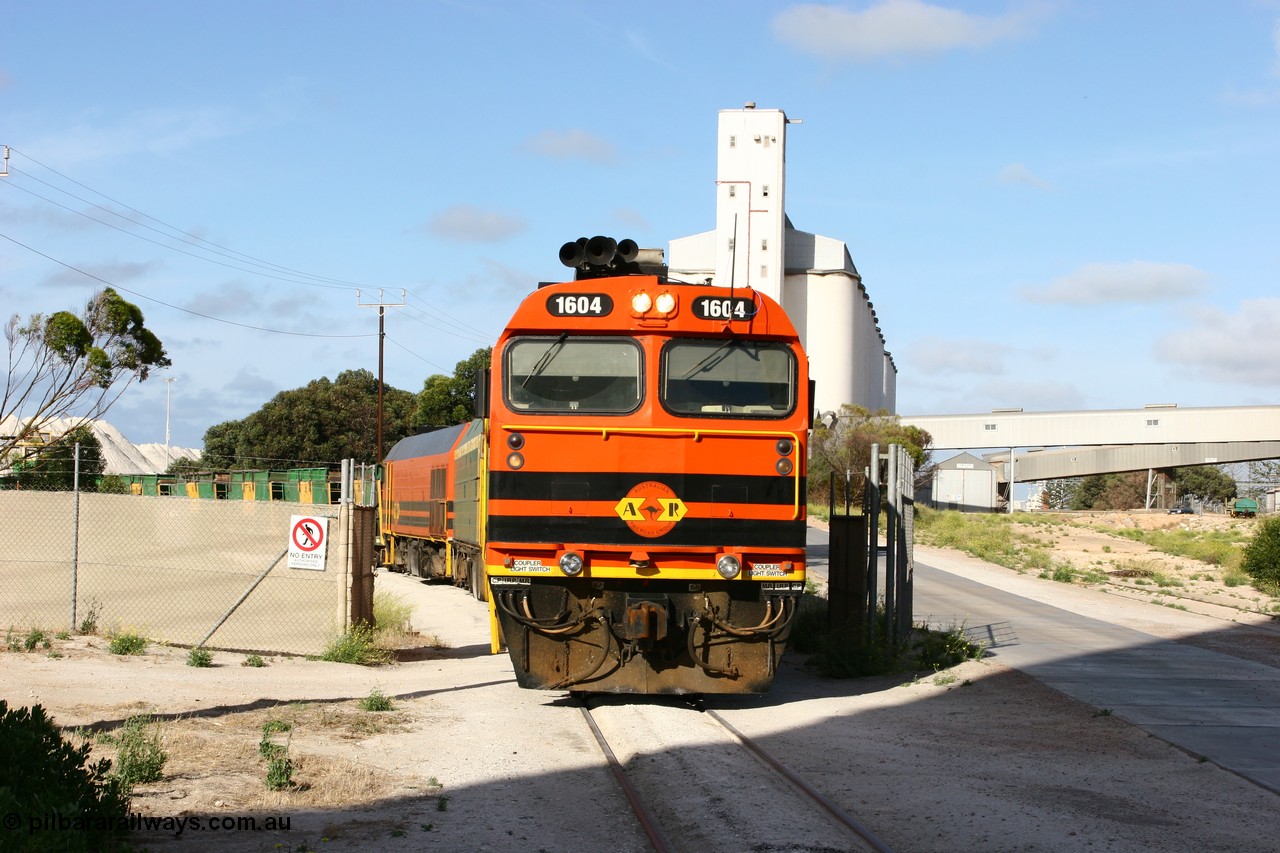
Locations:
column 1211, row 704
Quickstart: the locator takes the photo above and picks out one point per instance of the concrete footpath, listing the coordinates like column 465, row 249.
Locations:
column 1209, row 687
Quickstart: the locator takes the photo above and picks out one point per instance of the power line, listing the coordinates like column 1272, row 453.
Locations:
column 193, row 239
column 87, row 274
column 163, row 245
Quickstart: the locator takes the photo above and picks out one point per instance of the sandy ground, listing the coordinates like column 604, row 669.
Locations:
column 979, row 758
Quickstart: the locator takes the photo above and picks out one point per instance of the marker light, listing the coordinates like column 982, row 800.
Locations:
column 641, row 302
column 728, row 567
column 665, row 303
column 515, row 461
column 571, row 563
column 515, row 441
column 784, row 466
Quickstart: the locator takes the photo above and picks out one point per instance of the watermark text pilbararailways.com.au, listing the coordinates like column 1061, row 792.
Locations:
column 50, row 822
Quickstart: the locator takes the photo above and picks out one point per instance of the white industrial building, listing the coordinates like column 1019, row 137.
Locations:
column 964, row 482
column 813, row 277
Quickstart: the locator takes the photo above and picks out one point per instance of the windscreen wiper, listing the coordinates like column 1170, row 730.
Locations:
column 710, row 360
column 544, row 360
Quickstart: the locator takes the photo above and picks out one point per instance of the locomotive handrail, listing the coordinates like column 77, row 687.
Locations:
column 696, row 432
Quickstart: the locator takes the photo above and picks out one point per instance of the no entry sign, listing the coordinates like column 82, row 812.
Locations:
column 308, row 540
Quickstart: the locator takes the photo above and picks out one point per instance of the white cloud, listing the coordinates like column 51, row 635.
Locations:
column 231, row 299
column 162, row 132
column 892, row 28
column 571, row 145
column 1017, row 173
column 1240, row 347
column 936, row 356
column 111, row 273
column 470, row 224
column 1141, row 282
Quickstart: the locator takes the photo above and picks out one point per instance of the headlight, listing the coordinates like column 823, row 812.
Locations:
column 571, row 563
column 665, row 303
column 641, row 302
column 728, row 567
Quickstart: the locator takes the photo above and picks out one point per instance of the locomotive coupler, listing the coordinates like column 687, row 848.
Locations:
column 646, row 619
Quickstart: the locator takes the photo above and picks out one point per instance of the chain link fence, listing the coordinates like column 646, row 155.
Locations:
column 227, row 574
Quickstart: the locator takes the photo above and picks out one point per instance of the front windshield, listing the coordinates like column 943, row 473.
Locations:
column 728, row 377
column 573, row 374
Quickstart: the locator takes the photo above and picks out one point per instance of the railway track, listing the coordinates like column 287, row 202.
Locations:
column 697, row 783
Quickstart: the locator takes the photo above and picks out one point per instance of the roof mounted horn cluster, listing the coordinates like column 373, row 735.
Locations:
column 599, row 257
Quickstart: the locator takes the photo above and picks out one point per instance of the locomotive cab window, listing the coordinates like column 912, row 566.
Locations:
column 728, row 378
column 573, row 374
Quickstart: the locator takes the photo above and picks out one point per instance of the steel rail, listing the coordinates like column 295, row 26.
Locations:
column 839, row 815
column 648, row 822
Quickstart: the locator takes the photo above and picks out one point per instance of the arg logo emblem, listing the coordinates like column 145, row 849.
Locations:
column 651, row 509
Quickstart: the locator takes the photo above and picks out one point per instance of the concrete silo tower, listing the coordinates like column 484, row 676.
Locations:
column 813, row 277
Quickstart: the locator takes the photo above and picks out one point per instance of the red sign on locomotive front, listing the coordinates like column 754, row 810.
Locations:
column 651, row 509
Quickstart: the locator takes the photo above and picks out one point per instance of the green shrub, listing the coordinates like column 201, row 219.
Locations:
column 1235, row 577
column 127, row 643
column 57, row 778
column 35, row 637
column 1261, row 557
column 376, row 701
column 139, row 756
column 199, row 657
column 268, row 748
column 357, row 646
column 280, row 773
column 253, row 660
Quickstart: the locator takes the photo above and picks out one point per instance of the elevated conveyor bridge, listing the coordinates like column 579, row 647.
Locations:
column 1053, row 445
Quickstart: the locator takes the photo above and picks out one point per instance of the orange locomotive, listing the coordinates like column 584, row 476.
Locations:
column 640, row 475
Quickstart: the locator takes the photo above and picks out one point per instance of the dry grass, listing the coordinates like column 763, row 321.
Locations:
column 214, row 762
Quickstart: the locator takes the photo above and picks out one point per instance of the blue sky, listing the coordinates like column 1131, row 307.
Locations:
column 1054, row 205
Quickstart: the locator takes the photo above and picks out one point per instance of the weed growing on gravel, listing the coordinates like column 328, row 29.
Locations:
column 139, row 757
column 35, row 637
column 392, row 618
column 442, row 803
column 89, row 624
column 127, row 643
column 357, row 646
column 376, row 701
column 268, row 748
column 280, row 774
column 253, row 660
column 199, row 657
column 1235, row 577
